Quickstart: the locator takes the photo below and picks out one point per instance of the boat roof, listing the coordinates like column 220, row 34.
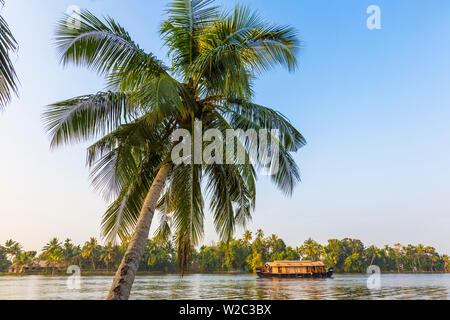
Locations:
column 296, row 264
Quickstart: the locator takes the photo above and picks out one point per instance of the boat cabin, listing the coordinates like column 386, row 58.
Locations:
column 294, row 269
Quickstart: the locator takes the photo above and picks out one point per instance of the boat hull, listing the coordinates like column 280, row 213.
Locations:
column 328, row 274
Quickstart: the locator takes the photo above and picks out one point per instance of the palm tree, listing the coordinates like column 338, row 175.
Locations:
column 373, row 252
column 108, row 254
column 247, row 237
column 446, row 260
column 259, row 234
column 12, row 249
column 50, row 247
column 398, row 250
column 411, row 255
column 311, row 250
column 432, row 257
column 272, row 242
column 420, row 254
column 54, row 259
column 215, row 59
column 24, row 259
column 69, row 251
column 89, row 250
column 8, row 77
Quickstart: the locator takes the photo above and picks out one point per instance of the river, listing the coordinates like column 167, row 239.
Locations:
column 230, row 287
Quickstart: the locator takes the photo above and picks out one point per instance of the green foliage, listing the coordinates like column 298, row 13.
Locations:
column 310, row 250
column 159, row 257
column 8, row 77
column 209, row 258
column 346, row 255
column 12, row 249
column 4, row 262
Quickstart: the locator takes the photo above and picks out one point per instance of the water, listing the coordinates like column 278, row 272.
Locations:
column 232, row 287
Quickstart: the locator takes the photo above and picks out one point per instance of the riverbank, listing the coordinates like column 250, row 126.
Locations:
column 162, row 273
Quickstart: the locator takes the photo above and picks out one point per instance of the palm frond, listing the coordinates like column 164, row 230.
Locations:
column 231, row 190
column 262, row 44
column 104, row 46
column 264, row 120
column 183, row 29
column 121, row 155
column 247, row 115
column 163, row 95
column 187, row 201
column 238, row 46
column 82, row 118
column 121, row 217
column 8, row 76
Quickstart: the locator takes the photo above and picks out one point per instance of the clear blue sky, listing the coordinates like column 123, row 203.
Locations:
column 374, row 106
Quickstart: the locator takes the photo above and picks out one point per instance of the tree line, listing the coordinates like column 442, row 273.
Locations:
column 243, row 254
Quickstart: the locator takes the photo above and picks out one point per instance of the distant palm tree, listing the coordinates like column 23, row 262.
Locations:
column 311, row 250
column 374, row 253
column 8, row 77
column 432, row 257
column 71, row 252
column 398, row 250
column 108, row 254
column 259, row 234
column 420, row 254
column 24, row 259
column 54, row 259
column 446, row 260
column 50, row 247
column 89, row 250
column 215, row 59
column 272, row 242
column 247, row 237
column 12, row 249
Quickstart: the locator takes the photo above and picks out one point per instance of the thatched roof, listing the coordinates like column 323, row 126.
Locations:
column 38, row 264
column 296, row 264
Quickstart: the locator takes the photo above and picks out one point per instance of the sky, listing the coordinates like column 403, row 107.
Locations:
column 374, row 106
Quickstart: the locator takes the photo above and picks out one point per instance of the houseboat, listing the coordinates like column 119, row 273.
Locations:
column 294, row 269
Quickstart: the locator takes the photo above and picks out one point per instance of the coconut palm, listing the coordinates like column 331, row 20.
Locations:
column 259, row 234
column 215, row 58
column 247, row 237
column 54, row 259
column 12, row 249
column 25, row 259
column 446, row 260
column 8, row 77
column 89, row 251
column 420, row 256
column 108, row 254
column 50, row 247
column 398, row 251
column 311, row 250
column 373, row 252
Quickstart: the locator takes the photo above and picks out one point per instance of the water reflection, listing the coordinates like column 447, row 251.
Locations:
column 233, row 287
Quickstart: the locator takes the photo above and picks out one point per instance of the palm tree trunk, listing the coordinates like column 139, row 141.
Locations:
column 123, row 281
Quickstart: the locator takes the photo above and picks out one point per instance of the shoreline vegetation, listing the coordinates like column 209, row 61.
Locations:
column 239, row 256
column 161, row 273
